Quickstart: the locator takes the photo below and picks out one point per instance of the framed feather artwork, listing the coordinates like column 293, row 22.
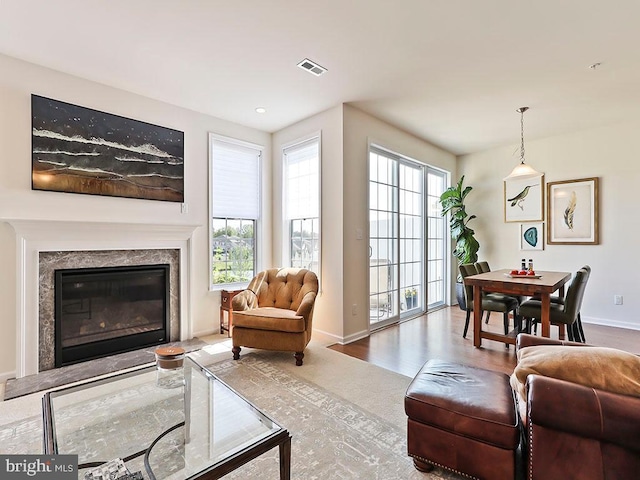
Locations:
column 532, row 236
column 523, row 199
column 572, row 212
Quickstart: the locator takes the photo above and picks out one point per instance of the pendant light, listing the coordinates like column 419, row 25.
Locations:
column 522, row 170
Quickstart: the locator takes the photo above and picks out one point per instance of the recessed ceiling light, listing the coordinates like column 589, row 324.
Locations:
column 312, row 67
column 261, row 110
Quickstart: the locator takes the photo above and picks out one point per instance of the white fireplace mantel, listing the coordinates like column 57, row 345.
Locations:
column 35, row 236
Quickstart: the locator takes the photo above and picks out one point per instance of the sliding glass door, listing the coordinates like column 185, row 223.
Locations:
column 396, row 238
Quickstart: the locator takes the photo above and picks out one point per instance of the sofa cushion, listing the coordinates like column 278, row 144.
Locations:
column 269, row 318
column 602, row 368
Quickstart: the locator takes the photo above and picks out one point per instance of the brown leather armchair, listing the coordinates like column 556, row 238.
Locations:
column 578, row 432
column 275, row 312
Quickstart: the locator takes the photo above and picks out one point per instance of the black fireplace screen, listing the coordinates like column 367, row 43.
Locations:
column 102, row 311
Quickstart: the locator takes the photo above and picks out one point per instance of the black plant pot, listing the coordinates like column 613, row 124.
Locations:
column 460, row 295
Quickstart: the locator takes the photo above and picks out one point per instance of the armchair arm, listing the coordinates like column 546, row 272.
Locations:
column 306, row 305
column 561, row 406
column 245, row 300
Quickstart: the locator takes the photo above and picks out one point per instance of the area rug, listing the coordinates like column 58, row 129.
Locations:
column 333, row 437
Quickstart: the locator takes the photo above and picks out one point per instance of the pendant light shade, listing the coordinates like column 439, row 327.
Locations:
column 522, row 170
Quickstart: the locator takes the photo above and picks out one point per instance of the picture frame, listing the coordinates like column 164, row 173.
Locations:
column 532, row 236
column 80, row 150
column 524, row 199
column 572, row 212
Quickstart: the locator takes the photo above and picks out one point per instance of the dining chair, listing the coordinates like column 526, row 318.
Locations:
column 483, row 267
column 491, row 302
column 578, row 330
column 561, row 314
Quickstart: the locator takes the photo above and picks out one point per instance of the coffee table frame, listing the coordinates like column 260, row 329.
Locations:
column 280, row 438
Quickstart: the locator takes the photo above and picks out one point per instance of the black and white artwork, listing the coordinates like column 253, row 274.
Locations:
column 80, row 150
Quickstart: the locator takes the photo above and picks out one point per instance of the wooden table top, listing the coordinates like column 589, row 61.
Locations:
column 499, row 280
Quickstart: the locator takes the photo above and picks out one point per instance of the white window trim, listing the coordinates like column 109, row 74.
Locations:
column 258, row 225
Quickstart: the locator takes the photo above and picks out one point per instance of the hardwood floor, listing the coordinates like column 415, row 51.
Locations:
column 404, row 348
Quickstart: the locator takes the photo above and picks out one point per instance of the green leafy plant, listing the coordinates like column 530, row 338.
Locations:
column 452, row 202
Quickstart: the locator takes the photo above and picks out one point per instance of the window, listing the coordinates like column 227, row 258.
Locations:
column 302, row 203
column 235, row 210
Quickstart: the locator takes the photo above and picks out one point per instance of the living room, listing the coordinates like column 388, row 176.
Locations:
column 477, row 136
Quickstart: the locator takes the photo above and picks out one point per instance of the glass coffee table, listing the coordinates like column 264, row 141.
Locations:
column 197, row 428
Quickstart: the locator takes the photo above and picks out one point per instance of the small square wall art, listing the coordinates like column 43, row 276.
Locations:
column 532, row 236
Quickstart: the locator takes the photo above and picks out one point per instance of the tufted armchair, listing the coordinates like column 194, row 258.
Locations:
column 275, row 312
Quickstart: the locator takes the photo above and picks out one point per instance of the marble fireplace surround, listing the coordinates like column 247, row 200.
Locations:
column 34, row 237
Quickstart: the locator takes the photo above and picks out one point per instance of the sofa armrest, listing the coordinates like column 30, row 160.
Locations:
column 245, row 300
column 525, row 340
column 585, row 412
column 306, row 305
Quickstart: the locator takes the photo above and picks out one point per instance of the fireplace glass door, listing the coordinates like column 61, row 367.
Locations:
column 102, row 311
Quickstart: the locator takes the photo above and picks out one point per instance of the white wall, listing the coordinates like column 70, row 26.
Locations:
column 17, row 82
column 610, row 153
column 360, row 130
column 327, row 315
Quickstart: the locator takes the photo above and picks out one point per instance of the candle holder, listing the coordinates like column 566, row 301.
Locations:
column 169, row 367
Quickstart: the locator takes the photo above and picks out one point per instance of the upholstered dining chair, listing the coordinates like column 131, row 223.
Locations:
column 494, row 302
column 578, row 331
column 563, row 312
column 275, row 312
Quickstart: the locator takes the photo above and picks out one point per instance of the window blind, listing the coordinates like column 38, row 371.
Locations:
column 235, row 180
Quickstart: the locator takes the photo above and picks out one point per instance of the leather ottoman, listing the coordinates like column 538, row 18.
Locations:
column 463, row 419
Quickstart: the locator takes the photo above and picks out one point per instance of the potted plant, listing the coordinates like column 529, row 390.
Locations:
column 466, row 246
column 410, row 298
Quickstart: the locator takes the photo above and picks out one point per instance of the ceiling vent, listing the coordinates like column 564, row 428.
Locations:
column 312, row 67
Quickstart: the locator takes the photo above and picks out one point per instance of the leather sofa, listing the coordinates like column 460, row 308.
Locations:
column 275, row 312
column 575, row 431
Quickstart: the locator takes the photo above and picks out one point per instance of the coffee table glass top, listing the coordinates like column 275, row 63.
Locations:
column 182, row 431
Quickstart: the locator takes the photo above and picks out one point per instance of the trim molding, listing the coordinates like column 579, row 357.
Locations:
column 35, row 236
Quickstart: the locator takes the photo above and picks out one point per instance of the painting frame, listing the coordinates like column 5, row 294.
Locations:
column 76, row 149
column 532, row 236
column 573, row 212
column 523, row 199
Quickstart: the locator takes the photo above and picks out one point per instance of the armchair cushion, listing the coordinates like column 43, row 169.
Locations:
column 270, row 318
column 602, row 368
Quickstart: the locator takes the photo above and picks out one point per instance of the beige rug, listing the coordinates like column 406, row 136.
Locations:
column 346, row 416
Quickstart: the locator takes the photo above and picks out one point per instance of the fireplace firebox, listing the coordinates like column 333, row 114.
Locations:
column 108, row 310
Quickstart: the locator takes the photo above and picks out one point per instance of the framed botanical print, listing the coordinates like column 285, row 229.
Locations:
column 532, row 236
column 523, row 199
column 572, row 212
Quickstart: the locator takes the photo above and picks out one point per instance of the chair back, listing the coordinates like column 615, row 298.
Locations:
column 466, row 270
column 575, row 294
column 483, row 267
column 283, row 287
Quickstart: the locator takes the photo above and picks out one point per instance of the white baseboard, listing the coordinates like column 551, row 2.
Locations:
column 204, row 333
column 4, row 376
column 611, row 323
column 344, row 340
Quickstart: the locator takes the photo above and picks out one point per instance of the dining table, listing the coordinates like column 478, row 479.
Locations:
column 542, row 284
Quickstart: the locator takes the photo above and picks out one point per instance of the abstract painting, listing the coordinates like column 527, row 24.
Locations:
column 531, row 236
column 572, row 212
column 80, row 150
column 523, row 199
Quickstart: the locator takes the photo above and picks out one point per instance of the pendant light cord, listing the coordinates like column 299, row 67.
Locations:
column 522, row 110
